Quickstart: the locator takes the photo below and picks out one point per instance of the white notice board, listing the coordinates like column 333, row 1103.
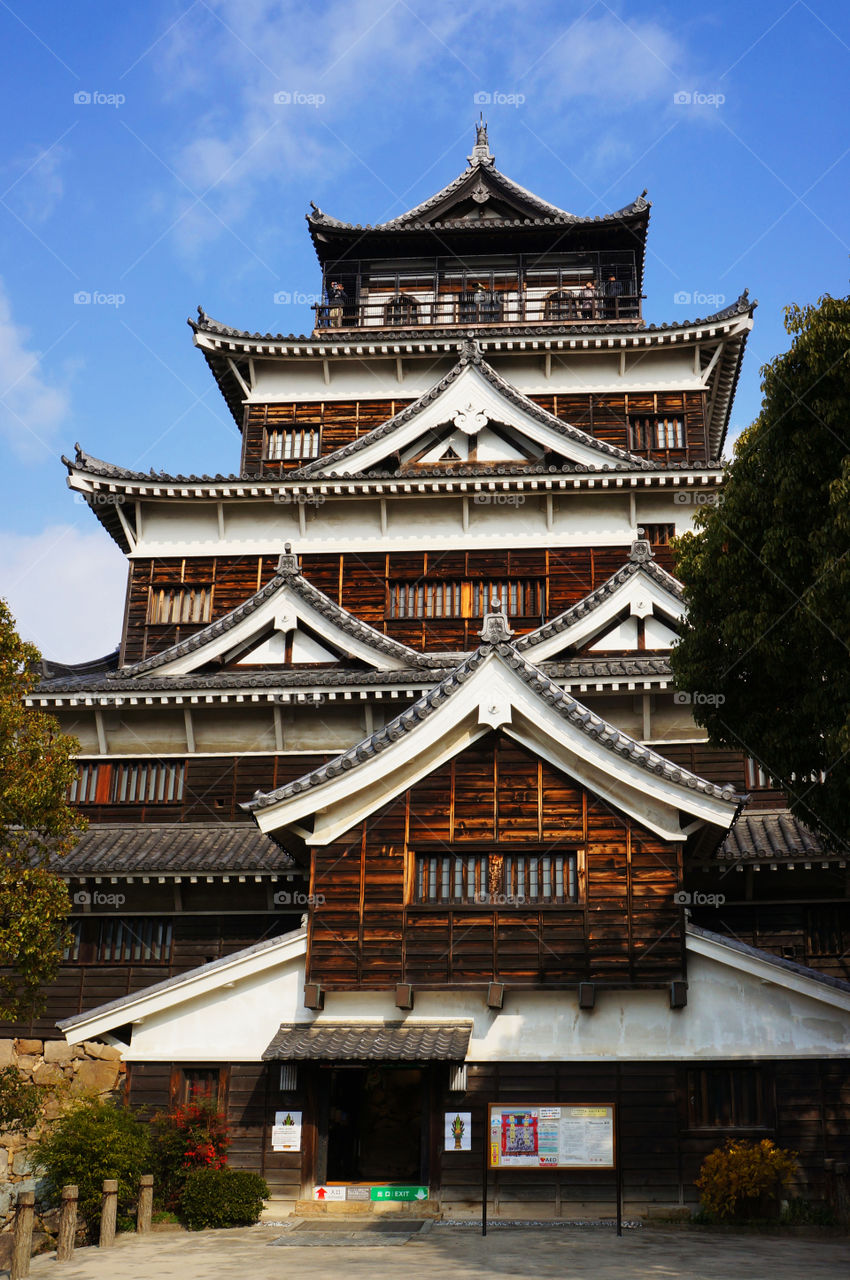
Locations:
column 556, row 1136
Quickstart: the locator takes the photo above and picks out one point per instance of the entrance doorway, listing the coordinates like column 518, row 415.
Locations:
column 375, row 1124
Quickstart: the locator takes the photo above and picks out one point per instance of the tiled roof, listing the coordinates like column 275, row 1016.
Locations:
column 470, row 354
column 172, row 849
column 288, row 575
column 773, row 836
column 606, row 734
column 640, row 560
column 370, row 1041
column 779, row 962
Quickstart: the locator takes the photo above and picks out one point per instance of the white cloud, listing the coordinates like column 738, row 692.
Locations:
column 65, row 588
column 32, row 410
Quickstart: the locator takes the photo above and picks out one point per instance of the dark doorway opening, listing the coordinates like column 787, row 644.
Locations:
column 375, row 1124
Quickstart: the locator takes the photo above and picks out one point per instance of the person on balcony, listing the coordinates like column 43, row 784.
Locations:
column 613, row 293
column 337, row 300
column 587, row 300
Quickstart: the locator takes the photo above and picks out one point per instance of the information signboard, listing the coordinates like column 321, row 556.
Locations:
column 556, row 1136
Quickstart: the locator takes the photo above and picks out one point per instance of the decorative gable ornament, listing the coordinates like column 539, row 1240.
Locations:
column 470, row 420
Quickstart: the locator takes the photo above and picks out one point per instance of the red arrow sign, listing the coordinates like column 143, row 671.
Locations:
column 320, row 1193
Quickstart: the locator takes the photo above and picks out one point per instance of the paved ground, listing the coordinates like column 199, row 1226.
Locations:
column 447, row 1253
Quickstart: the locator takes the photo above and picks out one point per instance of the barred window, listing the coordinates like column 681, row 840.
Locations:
column 147, row 782
column 824, row 932
column 284, row 445
column 726, row 1098
column 119, row 939
column 83, row 789
column 757, row 777
column 520, row 597
column 496, row 879
column 658, row 534
column 172, row 605
column 655, row 432
column 199, row 1084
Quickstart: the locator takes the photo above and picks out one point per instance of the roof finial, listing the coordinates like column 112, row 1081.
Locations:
column 496, row 628
column 481, row 153
column 287, row 563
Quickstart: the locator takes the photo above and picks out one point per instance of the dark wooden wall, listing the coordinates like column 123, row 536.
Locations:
column 360, row 584
column 626, row 929
column 604, row 417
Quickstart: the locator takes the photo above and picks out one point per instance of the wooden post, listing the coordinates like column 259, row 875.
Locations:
column 108, row 1213
column 145, row 1209
column 22, row 1247
column 67, row 1224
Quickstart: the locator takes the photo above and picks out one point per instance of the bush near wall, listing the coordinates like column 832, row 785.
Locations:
column 745, row 1179
column 222, row 1198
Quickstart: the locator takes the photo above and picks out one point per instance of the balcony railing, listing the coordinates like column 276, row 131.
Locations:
column 412, row 310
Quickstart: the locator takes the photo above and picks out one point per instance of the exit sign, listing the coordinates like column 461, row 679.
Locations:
column 400, row 1193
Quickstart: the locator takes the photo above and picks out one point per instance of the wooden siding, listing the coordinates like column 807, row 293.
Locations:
column 360, row 584
column 605, row 417
column 625, row 930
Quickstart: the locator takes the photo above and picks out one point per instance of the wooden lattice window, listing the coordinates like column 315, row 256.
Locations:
column 291, row 444
column 658, row 534
column 726, row 1098
column 83, row 789
column 171, row 605
column 199, row 1084
column 519, row 597
column 147, row 782
column 757, row 777
column 117, row 939
column 656, row 432
column 824, row 932
column 496, row 879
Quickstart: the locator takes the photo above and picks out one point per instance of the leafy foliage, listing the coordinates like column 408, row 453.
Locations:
column 188, row 1137
column 735, row 1178
column 222, row 1198
column 21, row 1101
column 767, row 579
column 36, row 769
column 94, row 1140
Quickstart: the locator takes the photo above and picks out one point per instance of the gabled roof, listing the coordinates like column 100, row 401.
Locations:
column 640, row 576
column 280, row 605
column 472, row 391
column 495, row 688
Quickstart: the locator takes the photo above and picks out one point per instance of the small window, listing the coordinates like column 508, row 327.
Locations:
column 824, row 932
column 653, row 432
column 658, row 534
column 148, row 782
column 173, row 605
column 726, row 1098
column 292, row 444
column 401, row 310
column 200, row 1084
column 496, row 879
column 118, row 939
column 757, row 777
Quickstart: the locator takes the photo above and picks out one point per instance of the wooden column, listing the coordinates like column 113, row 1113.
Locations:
column 108, row 1213
column 22, row 1247
column 67, row 1224
column 145, row 1209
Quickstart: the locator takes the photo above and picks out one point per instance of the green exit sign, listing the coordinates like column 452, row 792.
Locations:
column 399, row 1193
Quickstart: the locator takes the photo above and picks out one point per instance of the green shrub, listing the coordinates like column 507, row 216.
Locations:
column 93, row 1141
column 222, row 1198
column 21, row 1101
column 745, row 1179
column 187, row 1137
column 804, row 1213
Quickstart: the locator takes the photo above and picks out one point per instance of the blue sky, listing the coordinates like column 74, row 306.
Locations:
column 147, row 161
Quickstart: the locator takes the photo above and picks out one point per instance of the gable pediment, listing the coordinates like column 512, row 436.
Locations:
column 482, row 419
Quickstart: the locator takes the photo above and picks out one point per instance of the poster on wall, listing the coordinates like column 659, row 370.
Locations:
column 551, row 1137
column 286, row 1131
column 458, row 1131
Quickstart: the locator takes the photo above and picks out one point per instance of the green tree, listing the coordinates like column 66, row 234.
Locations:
column 767, row 579
column 36, row 823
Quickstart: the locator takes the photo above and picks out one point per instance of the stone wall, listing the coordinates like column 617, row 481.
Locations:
column 68, row 1071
